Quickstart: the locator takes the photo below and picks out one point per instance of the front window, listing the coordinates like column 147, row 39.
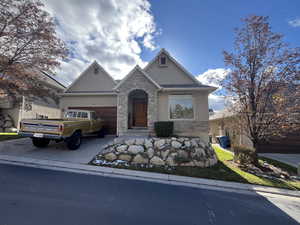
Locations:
column 181, row 107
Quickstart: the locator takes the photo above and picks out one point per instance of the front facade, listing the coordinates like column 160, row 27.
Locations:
column 162, row 91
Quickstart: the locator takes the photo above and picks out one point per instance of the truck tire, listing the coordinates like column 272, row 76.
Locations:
column 40, row 142
column 74, row 141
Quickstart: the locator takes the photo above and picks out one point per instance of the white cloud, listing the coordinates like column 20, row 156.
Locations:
column 295, row 22
column 109, row 31
column 213, row 77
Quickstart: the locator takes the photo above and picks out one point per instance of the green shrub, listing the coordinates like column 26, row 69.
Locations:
column 244, row 155
column 164, row 128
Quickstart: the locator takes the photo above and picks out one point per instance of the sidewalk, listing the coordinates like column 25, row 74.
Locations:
column 291, row 159
column 147, row 176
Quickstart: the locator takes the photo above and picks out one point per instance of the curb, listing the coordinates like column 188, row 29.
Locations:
column 147, row 176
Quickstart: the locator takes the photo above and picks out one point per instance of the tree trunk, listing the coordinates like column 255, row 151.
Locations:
column 255, row 155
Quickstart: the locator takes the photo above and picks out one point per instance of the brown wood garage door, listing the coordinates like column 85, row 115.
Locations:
column 107, row 114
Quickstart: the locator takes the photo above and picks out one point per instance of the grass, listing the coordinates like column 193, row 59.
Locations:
column 224, row 170
column 9, row 136
column 225, row 157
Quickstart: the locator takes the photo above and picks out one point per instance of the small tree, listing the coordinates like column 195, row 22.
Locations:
column 262, row 81
column 28, row 45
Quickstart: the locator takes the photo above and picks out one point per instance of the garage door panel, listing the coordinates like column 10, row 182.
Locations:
column 107, row 114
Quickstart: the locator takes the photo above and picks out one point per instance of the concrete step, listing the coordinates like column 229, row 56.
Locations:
column 137, row 133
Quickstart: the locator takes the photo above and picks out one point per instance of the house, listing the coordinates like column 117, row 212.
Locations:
column 162, row 91
column 223, row 123
column 12, row 112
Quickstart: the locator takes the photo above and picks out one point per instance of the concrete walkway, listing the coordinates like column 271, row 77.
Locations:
column 291, row 159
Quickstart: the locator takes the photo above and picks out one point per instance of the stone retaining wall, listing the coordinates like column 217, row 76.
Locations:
column 158, row 152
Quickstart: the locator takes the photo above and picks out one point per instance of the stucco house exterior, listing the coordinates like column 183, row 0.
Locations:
column 162, row 91
column 224, row 123
column 12, row 112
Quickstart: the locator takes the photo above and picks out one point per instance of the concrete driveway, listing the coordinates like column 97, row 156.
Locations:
column 291, row 159
column 55, row 151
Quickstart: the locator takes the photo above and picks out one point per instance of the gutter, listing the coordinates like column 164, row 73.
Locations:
column 209, row 89
column 88, row 94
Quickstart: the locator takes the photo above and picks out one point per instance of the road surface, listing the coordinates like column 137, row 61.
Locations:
column 39, row 196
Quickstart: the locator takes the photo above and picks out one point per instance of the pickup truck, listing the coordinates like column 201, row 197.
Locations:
column 70, row 129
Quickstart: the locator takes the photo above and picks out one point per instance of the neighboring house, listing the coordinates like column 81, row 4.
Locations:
column 12, row 113
column 162, row 91
column 223, row 123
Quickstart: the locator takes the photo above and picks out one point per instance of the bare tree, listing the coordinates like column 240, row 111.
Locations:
column 263, row 81
column 28, row 45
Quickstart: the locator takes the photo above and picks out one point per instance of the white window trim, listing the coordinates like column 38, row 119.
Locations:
column 184, row 96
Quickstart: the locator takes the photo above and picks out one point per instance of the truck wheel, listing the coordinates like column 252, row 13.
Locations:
column 74, row 141
column 40, row 142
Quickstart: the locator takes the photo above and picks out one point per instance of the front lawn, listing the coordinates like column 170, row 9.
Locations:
column 226, row 171
column 225, row 158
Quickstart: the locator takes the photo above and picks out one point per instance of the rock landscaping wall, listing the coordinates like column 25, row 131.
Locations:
column 158, row 152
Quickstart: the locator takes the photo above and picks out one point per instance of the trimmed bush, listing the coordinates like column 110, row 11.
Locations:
column 244, row 155
column 164, row 128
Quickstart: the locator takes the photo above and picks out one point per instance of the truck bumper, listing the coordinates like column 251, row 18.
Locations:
column 47, row 136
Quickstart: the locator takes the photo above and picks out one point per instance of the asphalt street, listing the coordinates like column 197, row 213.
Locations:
column 39, row 196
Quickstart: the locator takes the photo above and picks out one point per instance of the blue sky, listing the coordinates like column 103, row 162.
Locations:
column 120, row 34
column 196, row 32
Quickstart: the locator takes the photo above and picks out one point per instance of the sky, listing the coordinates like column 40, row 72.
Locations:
column 120, row 34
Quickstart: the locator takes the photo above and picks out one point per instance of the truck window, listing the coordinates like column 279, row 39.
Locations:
column 70, row 114
column 93, row 115
column 79, row 114
column 84, row 115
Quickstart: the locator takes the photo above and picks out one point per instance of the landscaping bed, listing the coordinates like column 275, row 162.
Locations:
column 224, row 170
column 157, row 152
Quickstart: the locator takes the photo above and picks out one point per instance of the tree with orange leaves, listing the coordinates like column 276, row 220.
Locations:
column 264, row 81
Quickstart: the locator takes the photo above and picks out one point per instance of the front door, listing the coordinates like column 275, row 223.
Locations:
column 139, row 113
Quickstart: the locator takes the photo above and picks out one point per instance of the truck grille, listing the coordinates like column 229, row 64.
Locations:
column 40, row 127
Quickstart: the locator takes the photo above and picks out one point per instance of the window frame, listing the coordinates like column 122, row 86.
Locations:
column 185, row 96
column 166, row 61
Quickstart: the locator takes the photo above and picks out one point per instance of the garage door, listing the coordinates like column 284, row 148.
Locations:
column 108, row 114
column 288, row 144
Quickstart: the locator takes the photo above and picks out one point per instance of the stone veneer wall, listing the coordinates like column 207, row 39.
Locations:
column 192, row 128
column 136, row 82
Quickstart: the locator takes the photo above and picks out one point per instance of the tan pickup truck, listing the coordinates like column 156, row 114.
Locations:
column 74, row 125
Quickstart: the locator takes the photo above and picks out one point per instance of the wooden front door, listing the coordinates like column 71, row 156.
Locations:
column 139, row 113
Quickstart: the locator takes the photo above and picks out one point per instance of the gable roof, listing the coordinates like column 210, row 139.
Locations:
column 137, row 68
column 185, row 72
column 95, row 63
column 59, row 84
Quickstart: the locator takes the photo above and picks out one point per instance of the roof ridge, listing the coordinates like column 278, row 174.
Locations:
column 137, row 67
